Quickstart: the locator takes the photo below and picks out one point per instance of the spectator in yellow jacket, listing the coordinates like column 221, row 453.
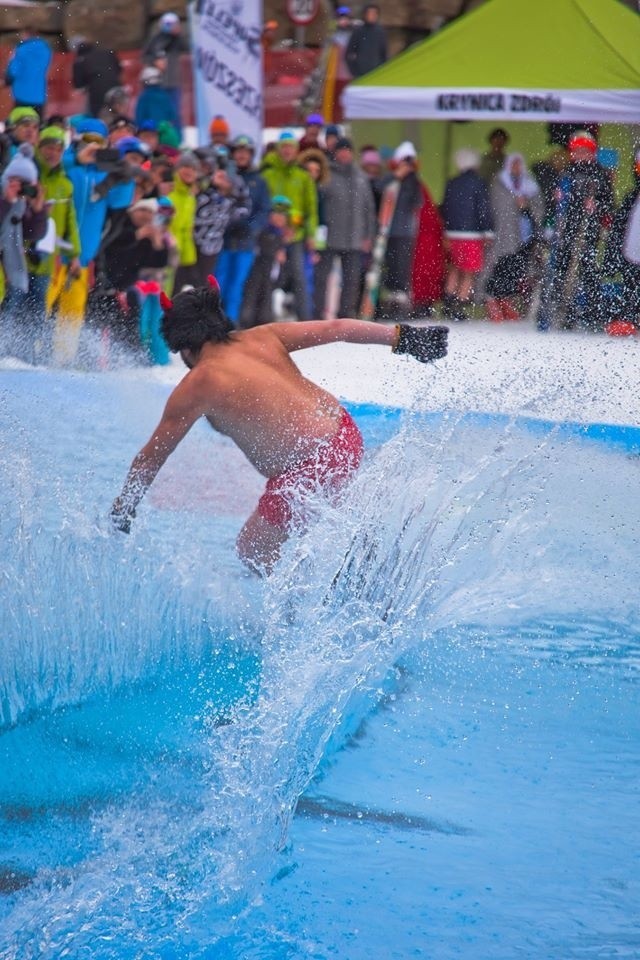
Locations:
column 183, row 200
column 61, row 253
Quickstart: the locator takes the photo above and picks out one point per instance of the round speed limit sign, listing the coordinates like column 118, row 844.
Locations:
column 302, row 12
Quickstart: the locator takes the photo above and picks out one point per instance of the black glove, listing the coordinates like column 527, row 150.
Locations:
column 423, row 343
column 121, row 518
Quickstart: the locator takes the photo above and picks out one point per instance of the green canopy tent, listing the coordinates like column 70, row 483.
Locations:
column 514, row 60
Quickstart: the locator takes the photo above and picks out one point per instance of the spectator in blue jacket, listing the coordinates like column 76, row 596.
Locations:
column 92, row 201
column 468, row 226
column 27, row 70
column 240, row 239
column 155, row 101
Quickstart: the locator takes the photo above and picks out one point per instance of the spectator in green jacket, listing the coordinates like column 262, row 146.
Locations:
column 63, row 249
column 285, row 178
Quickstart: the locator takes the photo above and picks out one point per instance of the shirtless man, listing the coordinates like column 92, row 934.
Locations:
column 246, row 385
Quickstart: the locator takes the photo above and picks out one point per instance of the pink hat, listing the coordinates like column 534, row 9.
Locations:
column 371, row 156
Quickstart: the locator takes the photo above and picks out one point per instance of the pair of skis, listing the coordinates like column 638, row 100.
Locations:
column 373, row 278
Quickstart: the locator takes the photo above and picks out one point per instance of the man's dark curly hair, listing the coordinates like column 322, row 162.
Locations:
column 195, row 317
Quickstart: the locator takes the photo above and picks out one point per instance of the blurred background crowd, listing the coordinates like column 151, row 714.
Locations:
column 103, row 207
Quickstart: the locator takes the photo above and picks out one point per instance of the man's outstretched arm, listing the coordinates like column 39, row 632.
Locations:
column 179, row 416
column 423, row 343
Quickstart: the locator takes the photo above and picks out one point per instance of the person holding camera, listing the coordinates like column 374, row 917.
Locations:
column 222, row 197
column 21, row 126
column 23, row 219
column 87, row 164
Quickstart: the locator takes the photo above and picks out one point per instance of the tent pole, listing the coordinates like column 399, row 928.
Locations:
column 448, row 139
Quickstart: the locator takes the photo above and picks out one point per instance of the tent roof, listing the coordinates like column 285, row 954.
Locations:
column 545, row 46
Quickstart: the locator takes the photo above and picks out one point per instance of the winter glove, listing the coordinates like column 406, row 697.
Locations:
column 121, row 517
column 423, row 343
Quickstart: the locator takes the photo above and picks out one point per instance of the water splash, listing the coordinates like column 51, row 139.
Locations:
column 448, row 526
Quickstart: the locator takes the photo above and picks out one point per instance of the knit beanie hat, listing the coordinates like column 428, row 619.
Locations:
column 132, row 145
column 52, row 134
column 93, row 126
column 188, row 159
column 21, row 165
column 167, row 134
column 20, row 114
column 582, row 139
column 219, row 125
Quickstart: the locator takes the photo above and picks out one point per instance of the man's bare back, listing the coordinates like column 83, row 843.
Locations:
column 256, row 395
column 246, row 385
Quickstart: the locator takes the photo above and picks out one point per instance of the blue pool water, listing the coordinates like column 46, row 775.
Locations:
column 420, row 738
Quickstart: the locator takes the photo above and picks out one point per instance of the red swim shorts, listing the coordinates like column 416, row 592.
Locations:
column 337, row 458
column 467, row 255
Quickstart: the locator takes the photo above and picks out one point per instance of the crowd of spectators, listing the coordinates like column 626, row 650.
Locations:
column 101, row 212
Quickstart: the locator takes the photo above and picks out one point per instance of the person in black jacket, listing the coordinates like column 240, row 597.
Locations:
column 622, row 254
column 395, row 302
column 584, row 206
column 468, row 225
column 134, row 243
column 97, row 70
column 367, row 47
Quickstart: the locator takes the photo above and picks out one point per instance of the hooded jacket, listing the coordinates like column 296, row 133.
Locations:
column 91, row 209
column 58, row 191
column 183, row 221
column 243, row 231
column 26, row 72
column 291, row 181
column 349, row 210
column 156, row 103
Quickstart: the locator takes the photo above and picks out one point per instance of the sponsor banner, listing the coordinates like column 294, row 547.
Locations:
column 227, row 65
column 435, row 103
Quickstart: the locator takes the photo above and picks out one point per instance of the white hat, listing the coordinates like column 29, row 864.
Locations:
column 21, row 165
column 168, row 20
column 149, row 203
column 150, row 75
column 466, row 159
column 406, row 151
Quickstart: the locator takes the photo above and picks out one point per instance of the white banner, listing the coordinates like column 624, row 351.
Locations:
column 227, row 65
column 434, row 103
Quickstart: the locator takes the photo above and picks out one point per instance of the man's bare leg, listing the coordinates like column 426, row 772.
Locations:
column 259, row 543
column 465, row 287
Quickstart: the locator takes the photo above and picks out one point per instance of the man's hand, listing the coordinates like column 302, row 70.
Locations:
column 423, row 343
column 37, row 203
column 121, row 517
column 86, row 152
